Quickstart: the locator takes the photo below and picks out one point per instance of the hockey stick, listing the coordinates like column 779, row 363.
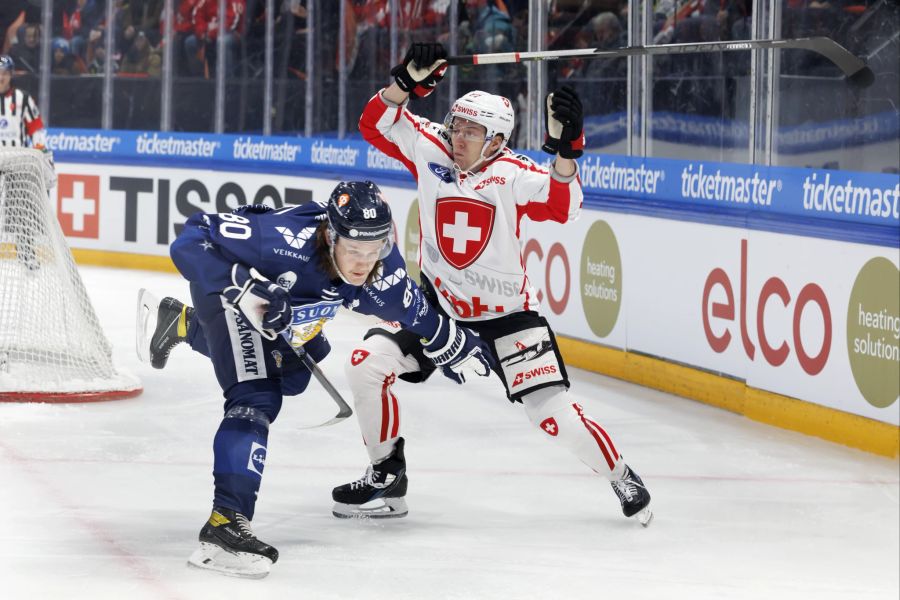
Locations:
column 344, row 409
column 853, row 67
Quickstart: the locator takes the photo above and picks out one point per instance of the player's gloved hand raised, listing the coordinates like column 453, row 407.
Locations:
column 458, row 351
column 265, row 305
column 422, row 68
column 564, row 120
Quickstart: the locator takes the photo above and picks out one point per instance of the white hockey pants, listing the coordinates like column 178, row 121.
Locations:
column 374, row 365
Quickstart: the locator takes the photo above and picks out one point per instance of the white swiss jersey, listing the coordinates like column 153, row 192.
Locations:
column 471, row 248
column 20, row 120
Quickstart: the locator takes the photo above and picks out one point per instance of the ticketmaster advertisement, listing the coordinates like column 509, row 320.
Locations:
column 808, row 317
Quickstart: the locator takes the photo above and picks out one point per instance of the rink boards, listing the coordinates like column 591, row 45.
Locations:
column 793, row 330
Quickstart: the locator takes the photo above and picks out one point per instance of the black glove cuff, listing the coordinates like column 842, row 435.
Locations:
column 551, row 145
column 403, row 78
column 567, row 151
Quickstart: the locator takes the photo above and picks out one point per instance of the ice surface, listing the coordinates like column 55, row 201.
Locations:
column 105, row 500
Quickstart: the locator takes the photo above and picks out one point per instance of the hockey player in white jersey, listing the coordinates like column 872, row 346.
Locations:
column 474, row 193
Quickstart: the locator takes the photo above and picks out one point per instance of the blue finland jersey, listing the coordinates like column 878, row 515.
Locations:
column 281, row 245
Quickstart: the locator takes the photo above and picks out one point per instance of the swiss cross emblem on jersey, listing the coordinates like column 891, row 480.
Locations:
column 358, row 356
column 549, row 425
column 464, row 227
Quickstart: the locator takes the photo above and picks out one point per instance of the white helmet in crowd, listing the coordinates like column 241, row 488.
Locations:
column 495, row 113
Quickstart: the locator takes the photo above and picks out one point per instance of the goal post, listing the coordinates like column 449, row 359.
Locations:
column 52, row 347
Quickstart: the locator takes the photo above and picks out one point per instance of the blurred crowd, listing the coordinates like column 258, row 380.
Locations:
column 80, row 28
column 709, row 84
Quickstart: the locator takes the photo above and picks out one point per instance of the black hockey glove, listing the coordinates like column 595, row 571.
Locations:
column 263, row 304
column 458, row 351
column 422, row 68
column 564, row 120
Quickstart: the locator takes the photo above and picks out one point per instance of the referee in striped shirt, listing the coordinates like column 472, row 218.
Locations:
column 20, row 120
column 21, row 126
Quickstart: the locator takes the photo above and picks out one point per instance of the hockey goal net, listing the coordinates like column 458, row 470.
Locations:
column 52, row 348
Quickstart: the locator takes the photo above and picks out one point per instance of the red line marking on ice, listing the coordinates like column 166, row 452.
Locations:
column 140, row 568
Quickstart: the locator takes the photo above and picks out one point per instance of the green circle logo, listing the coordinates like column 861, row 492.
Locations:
column 873, row 332
column 411, row 241
column 601, row 278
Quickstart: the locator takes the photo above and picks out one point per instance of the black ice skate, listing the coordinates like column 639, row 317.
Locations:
column 634, row 496
column 227, row 545
column 161, row 325
column 379, row 494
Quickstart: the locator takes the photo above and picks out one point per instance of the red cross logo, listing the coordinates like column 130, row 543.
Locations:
column 78, row 205
column 520, row 377
column 549, row 425
column 464, row 227
column 520, row 345
column 358, row 356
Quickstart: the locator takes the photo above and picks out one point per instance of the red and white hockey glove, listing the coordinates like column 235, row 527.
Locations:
column 422, row 68
column 564, row 119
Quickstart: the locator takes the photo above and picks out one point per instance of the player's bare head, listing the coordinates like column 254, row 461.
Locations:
column 6, row 70
column 479, row 125
column 360, row 230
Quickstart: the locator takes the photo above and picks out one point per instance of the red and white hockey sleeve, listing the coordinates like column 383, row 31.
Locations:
column 393, row 130
column 548, row 196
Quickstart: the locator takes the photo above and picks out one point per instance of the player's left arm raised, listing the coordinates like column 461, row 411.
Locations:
column 555, row 195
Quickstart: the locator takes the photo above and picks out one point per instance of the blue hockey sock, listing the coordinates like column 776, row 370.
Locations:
column 240, row 457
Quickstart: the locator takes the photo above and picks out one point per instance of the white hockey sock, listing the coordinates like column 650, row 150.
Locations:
column 372, row 369
column 565, row 422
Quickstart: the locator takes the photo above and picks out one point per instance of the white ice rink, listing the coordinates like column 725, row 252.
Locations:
column 105, row 500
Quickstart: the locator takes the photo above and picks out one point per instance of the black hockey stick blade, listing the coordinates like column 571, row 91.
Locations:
column 853, row 67
column 344, row 409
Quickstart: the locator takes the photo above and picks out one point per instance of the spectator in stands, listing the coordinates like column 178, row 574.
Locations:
column 292, row 28
column 124, row 39
column 207, row 28
column 733, row 17
column 64, row 62
column 605, row 32
column 96, row 41
column 27, row 53
column 77, row 19
column 486, row 28
column 187, row 47
column 566, row 20
column 674, row 12
column 97, row 59
column 492, row 29
column 12, row 16
column 141, row 59
column 143, row 15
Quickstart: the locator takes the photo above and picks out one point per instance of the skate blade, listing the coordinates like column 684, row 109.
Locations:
column 644, row 516
column 145, row 324
column 381, row 508
column 234, row 564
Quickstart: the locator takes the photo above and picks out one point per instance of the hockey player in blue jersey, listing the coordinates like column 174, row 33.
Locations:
column 254, row 273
